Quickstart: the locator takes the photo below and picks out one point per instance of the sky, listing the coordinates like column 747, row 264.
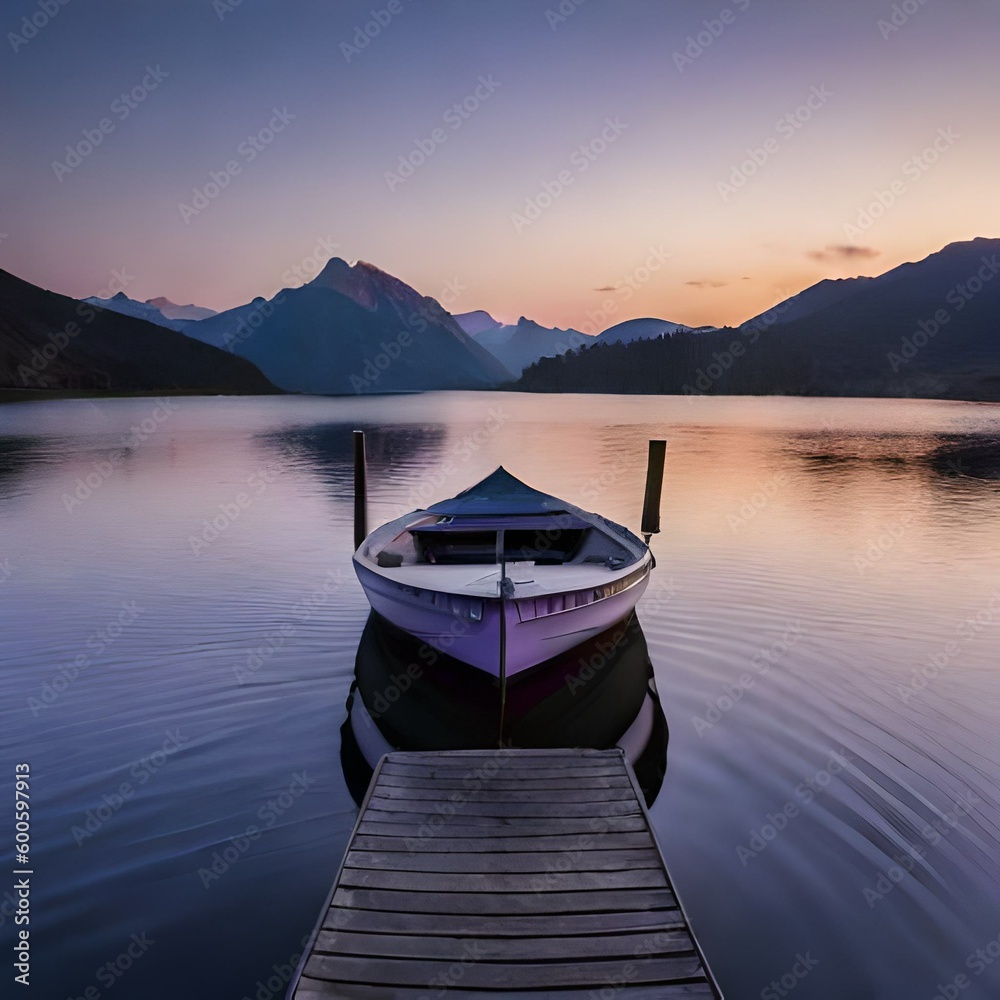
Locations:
column 579, row 162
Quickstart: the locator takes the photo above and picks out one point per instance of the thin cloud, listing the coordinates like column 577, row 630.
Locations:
column 706, row 284
column 607, row 288
column 843, row 251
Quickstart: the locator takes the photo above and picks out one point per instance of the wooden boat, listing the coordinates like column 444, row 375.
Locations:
column 502, row 576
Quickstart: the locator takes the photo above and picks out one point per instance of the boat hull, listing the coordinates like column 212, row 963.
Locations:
column 531, row 638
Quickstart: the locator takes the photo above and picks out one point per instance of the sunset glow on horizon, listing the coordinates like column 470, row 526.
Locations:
column 578, row 163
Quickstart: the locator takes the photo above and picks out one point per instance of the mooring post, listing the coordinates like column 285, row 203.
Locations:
column 654, row 487
column 360, row 490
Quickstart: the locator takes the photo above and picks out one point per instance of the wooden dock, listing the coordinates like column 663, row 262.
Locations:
column 506, row 873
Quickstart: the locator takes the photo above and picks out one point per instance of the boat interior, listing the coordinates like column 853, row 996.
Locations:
column 559, row 540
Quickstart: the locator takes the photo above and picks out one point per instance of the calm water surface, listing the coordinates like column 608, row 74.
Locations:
column 824, row 623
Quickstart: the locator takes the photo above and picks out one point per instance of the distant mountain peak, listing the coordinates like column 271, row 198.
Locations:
column 330, row 337
column 530, row 324
column 173, row 311
column 363, row 283
column 333, row 271
column 976, row 242
column 336, row 271
column 160, row 311
column 519, row 345
column 643, row 328
column 122, row 304
column 476, row 322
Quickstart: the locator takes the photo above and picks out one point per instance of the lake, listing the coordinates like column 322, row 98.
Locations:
column 179, row 621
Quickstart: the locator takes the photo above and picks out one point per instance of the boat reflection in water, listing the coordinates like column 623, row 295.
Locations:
column 408, row 695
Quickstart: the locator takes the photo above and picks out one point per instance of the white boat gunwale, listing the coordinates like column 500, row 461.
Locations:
column 560, row 578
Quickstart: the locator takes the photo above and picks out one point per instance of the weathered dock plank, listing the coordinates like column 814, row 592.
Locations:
column 491, row 949
column 571, row 924
column 515, row 873
column 559, row 824
column 472, row 840
column 493, row 882
column 311, row 990
column 480, row 974
column 548, row 794
column 497, row 903
column 537, row 861
column 505, row 808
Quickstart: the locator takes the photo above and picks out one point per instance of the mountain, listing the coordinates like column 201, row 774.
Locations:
column 520, row 345
column 160, row 310
column 227, row 329
column 173, row 311
column 50, row 341
column 825, row 293
column 523, row 344
column 353, row 329
column 638, row 329
column 929, row 328
column 926, row 329
column 475, row 323
column 526, row 342
column 121, row 303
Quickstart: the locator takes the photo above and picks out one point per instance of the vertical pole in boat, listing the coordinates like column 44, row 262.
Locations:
column 654, row 487
column 506, row 590
column 360, row 490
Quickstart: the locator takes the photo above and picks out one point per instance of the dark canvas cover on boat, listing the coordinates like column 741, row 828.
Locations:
column 500, row 493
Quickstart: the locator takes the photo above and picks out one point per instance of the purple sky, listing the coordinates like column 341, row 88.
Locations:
column 594, row 174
